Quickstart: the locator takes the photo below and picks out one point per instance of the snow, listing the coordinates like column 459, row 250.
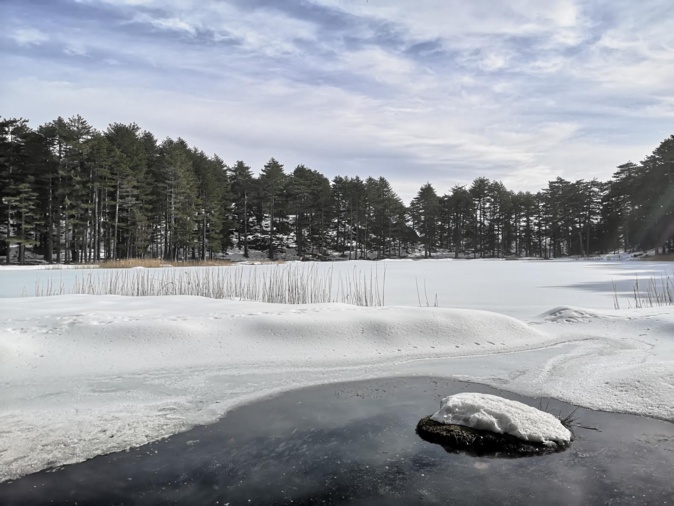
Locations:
column 85, row 375
column 41, row 267
column 502, row 416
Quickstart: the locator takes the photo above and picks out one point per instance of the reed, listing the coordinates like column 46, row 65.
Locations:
column 655, row 292
column 150, row 263
column 278, row 283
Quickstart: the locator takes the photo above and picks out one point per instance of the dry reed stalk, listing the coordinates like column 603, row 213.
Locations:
column 282, row 283
column 655, row 294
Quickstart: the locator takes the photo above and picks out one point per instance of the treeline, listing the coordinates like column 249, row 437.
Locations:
column 75, row 194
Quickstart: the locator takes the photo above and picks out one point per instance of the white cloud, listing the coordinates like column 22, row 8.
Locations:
column 456, row 19
column 380, row 65
column 170, row 23
column 28, row 36
column 76, row 49
column 265, row 31
column 132, row 3
column 522, row 93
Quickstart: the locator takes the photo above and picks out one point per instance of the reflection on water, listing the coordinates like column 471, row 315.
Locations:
column 354, row 443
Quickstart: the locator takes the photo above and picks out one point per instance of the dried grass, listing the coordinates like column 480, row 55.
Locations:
column 669, row 257
column 153, row 263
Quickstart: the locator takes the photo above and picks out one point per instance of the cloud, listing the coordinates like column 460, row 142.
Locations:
column 76, row 49
column 167, row 23
column 28, row 36
column 117, row 3
column 265, row 31
column 443, row 91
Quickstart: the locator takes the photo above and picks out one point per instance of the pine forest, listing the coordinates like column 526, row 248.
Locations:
column 73, row 194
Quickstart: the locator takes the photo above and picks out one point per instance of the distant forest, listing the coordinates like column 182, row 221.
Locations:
column 77, row 195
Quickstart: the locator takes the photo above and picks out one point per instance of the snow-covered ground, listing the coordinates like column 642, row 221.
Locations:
column 85, row 375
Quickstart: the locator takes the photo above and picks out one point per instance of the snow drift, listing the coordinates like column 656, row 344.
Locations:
column 87, row 375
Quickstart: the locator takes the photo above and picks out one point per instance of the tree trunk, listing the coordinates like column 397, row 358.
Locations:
column 271, row 229
column 115, row 249
column 245, row 224
column 9, row 233
column 50, row 223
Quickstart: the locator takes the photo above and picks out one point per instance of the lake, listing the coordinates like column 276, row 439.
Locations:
column 355, row 443
column 522, row 289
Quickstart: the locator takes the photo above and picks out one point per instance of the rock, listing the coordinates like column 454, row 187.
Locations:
column 481, row 443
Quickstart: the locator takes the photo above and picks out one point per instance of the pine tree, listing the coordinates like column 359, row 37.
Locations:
column 459, row 214
column 13, row 176
column 214, row 196
column 479, row 191
column 243, row 186
column 425, row 209
column 272, row 189
column 178, row 187
column 310, row 198
column 130, row 196
column 351, row 211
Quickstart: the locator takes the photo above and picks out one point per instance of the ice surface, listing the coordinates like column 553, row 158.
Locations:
column 521, row 289
column 86, row 375
column 502, row 416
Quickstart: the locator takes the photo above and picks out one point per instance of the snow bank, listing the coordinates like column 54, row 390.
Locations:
column 84, row 375
column 87, row 375
column 80, row 334
column 502, row 416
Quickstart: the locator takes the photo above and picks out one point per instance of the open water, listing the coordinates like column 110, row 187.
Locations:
column 355, row 443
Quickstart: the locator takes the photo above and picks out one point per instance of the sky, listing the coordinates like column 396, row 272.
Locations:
column 439, row 91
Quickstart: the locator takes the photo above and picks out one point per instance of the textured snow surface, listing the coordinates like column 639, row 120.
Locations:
column 86, row 375
column 503, row 416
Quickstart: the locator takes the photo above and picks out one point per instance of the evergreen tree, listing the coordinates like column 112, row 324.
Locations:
column 458, row 214
column 479, row 191
column 130, row 197
column 350, row 210
column 425, row 208
column 242, row 184
column 272, row 190
column 526, row 223
column 13, row 178
column 179, row 199
column 310, row 197
column 75, row 194
column 214, row 196
column 386, row 216
column 654, row 198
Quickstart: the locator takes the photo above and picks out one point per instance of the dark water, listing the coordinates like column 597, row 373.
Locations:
column 354, row 443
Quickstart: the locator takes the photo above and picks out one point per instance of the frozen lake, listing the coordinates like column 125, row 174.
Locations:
column 522, row 288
